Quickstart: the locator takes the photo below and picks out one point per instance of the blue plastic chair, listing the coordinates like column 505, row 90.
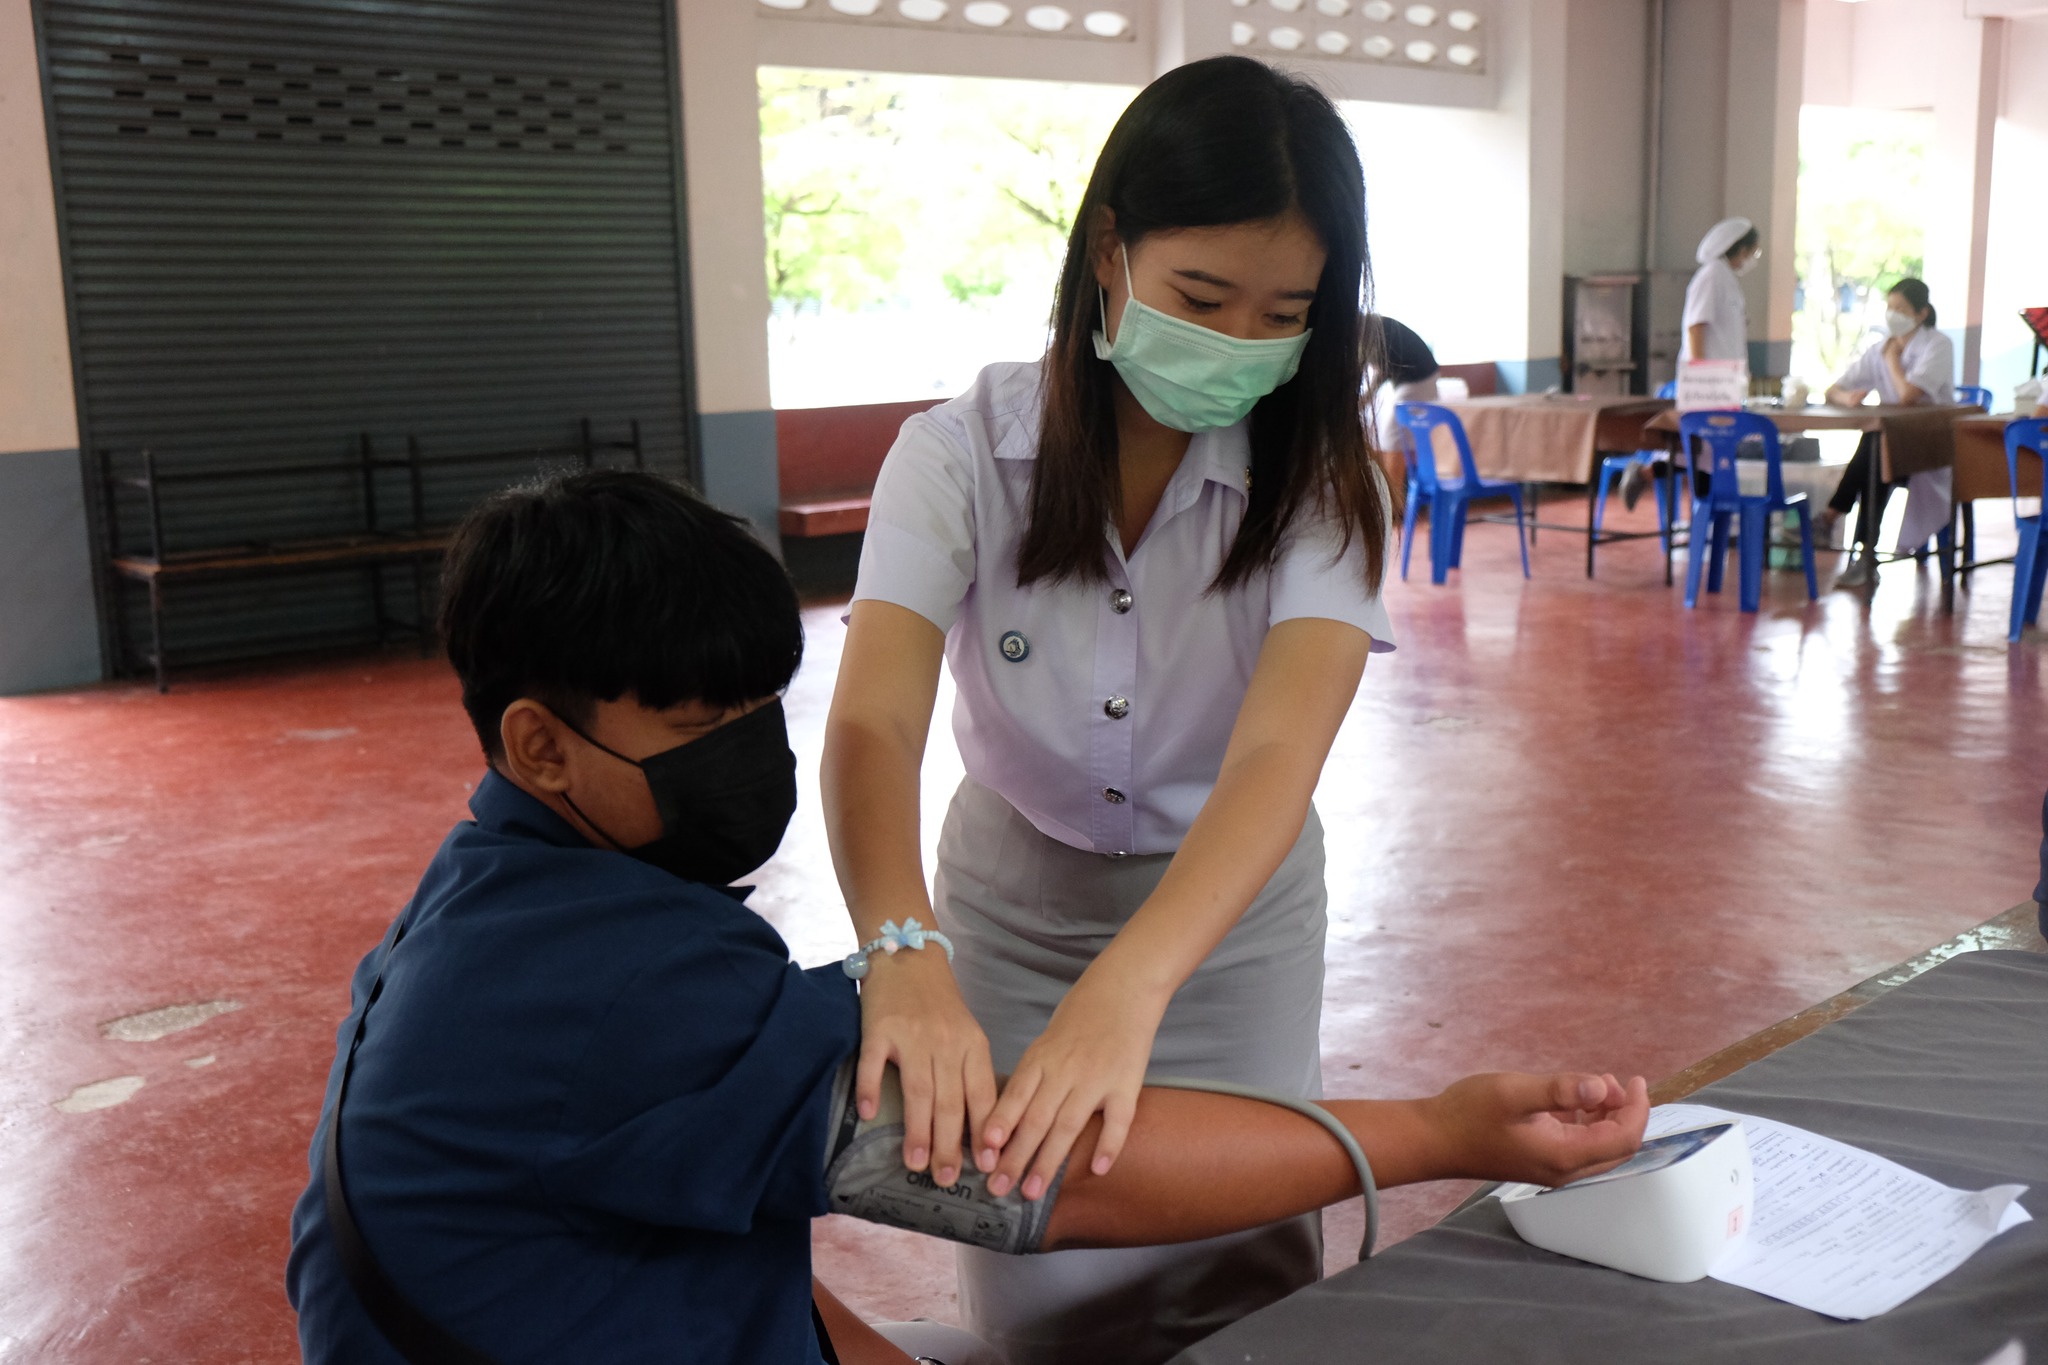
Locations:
column 1721, row 433
column 2030, row 562
column 1447, row 501
column 1613, row 467
column 1972, row 393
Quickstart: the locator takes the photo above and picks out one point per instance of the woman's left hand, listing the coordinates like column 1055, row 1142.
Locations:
column 1091, row 1058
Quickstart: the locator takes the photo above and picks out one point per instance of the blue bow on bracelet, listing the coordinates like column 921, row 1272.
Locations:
column 910, row 934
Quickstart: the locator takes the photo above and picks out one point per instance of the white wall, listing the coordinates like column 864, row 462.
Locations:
column 2016, row 266
column 1465, row 207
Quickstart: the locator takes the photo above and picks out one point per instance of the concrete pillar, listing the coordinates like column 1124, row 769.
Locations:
column 1760, row 174
column 1730, row 147
column 49, row 628
column 1537, row 86
column 1958, row 183
column 729, row 289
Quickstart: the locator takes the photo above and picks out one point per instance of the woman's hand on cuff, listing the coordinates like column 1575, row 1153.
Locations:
column 912, row 1014
column 1090, row 1059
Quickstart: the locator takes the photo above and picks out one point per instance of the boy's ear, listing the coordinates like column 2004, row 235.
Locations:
column 531, row 736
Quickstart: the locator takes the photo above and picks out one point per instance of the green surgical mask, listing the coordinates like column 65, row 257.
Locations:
column 1189, row 377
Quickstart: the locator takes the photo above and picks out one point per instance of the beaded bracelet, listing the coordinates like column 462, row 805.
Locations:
column 910, row 935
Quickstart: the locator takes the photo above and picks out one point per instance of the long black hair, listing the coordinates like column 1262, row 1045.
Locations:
column 1216, row 142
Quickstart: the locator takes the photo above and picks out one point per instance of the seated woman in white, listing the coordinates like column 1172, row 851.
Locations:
column 1914, row 364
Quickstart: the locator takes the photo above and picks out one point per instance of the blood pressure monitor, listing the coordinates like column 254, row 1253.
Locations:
column 1666, row 1213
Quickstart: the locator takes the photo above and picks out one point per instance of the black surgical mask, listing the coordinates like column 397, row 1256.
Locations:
column 725, row 798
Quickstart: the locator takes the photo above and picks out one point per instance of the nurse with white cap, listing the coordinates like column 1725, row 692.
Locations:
column 1716, row 327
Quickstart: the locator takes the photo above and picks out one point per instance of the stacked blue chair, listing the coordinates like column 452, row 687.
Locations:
column 1974, row 395
column 1721, row 433
column 1447, row 501
column 1613, row 467
column 2030, row 562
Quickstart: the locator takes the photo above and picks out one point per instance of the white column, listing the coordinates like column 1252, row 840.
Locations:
column 1958, row 185
column 728, row 283
column 1760, row 174
column 1539, row 82
column 37, row 411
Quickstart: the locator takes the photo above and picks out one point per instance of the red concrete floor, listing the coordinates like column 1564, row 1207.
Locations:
column 1570, row 824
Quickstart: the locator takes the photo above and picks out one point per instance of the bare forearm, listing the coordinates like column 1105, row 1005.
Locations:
column 1696, row 340
column 874, row 749
column 1908, row 391
column 870, row 782
column 1199, row 1165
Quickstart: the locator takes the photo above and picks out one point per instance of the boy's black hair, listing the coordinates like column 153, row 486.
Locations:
column 586, row 587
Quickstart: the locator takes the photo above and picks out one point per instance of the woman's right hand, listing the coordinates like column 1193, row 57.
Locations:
column 912, row 1014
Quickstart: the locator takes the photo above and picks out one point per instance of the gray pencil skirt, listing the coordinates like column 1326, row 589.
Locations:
column 1027, row 914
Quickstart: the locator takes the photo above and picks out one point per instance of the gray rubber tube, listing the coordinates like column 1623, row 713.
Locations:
column 1310, row 1110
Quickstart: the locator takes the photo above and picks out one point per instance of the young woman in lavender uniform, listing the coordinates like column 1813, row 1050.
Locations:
column 1152, row 562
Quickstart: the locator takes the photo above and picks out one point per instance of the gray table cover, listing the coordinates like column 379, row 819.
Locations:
column 1947, row 1074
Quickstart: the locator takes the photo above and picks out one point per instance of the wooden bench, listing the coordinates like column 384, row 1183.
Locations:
column 365, row 534
column 828, row 459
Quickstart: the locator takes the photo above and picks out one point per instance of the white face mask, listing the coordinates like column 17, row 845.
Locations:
column 1749, row 263
column 1899, row 324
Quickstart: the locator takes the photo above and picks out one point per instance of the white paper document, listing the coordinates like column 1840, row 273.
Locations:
column 1843, row 1231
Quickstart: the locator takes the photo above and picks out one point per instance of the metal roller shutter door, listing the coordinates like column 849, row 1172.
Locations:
column 286, row 224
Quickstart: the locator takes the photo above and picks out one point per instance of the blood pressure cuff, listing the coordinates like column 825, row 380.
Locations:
column 865, row 1177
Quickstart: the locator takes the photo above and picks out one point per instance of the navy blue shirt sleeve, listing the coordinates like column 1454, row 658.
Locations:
column 702, row 1101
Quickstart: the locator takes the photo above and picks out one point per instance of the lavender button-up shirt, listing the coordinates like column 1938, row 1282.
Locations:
column 1100, row 711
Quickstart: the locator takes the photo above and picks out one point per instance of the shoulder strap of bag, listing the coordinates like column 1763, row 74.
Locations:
column 411, row 1333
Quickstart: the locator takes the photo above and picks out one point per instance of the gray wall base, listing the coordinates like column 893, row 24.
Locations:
column 740, row 472
column 1529, row 376
column 49, row 625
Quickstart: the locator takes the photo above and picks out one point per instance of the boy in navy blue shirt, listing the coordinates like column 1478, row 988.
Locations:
column 588, row 1115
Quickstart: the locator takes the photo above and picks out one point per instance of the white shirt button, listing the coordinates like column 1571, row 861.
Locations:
column 1116, row 708
column 1113, row 796
column 1120, row 601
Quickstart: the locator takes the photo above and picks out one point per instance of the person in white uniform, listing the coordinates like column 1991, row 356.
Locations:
column 1152, row 562
column 1715, row 325
column 1913, row 364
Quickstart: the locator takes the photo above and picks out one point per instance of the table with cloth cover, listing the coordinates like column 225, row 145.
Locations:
column 1548, row 437
column 1916, row 438
column 1539, row 438
column 1946, row 1074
